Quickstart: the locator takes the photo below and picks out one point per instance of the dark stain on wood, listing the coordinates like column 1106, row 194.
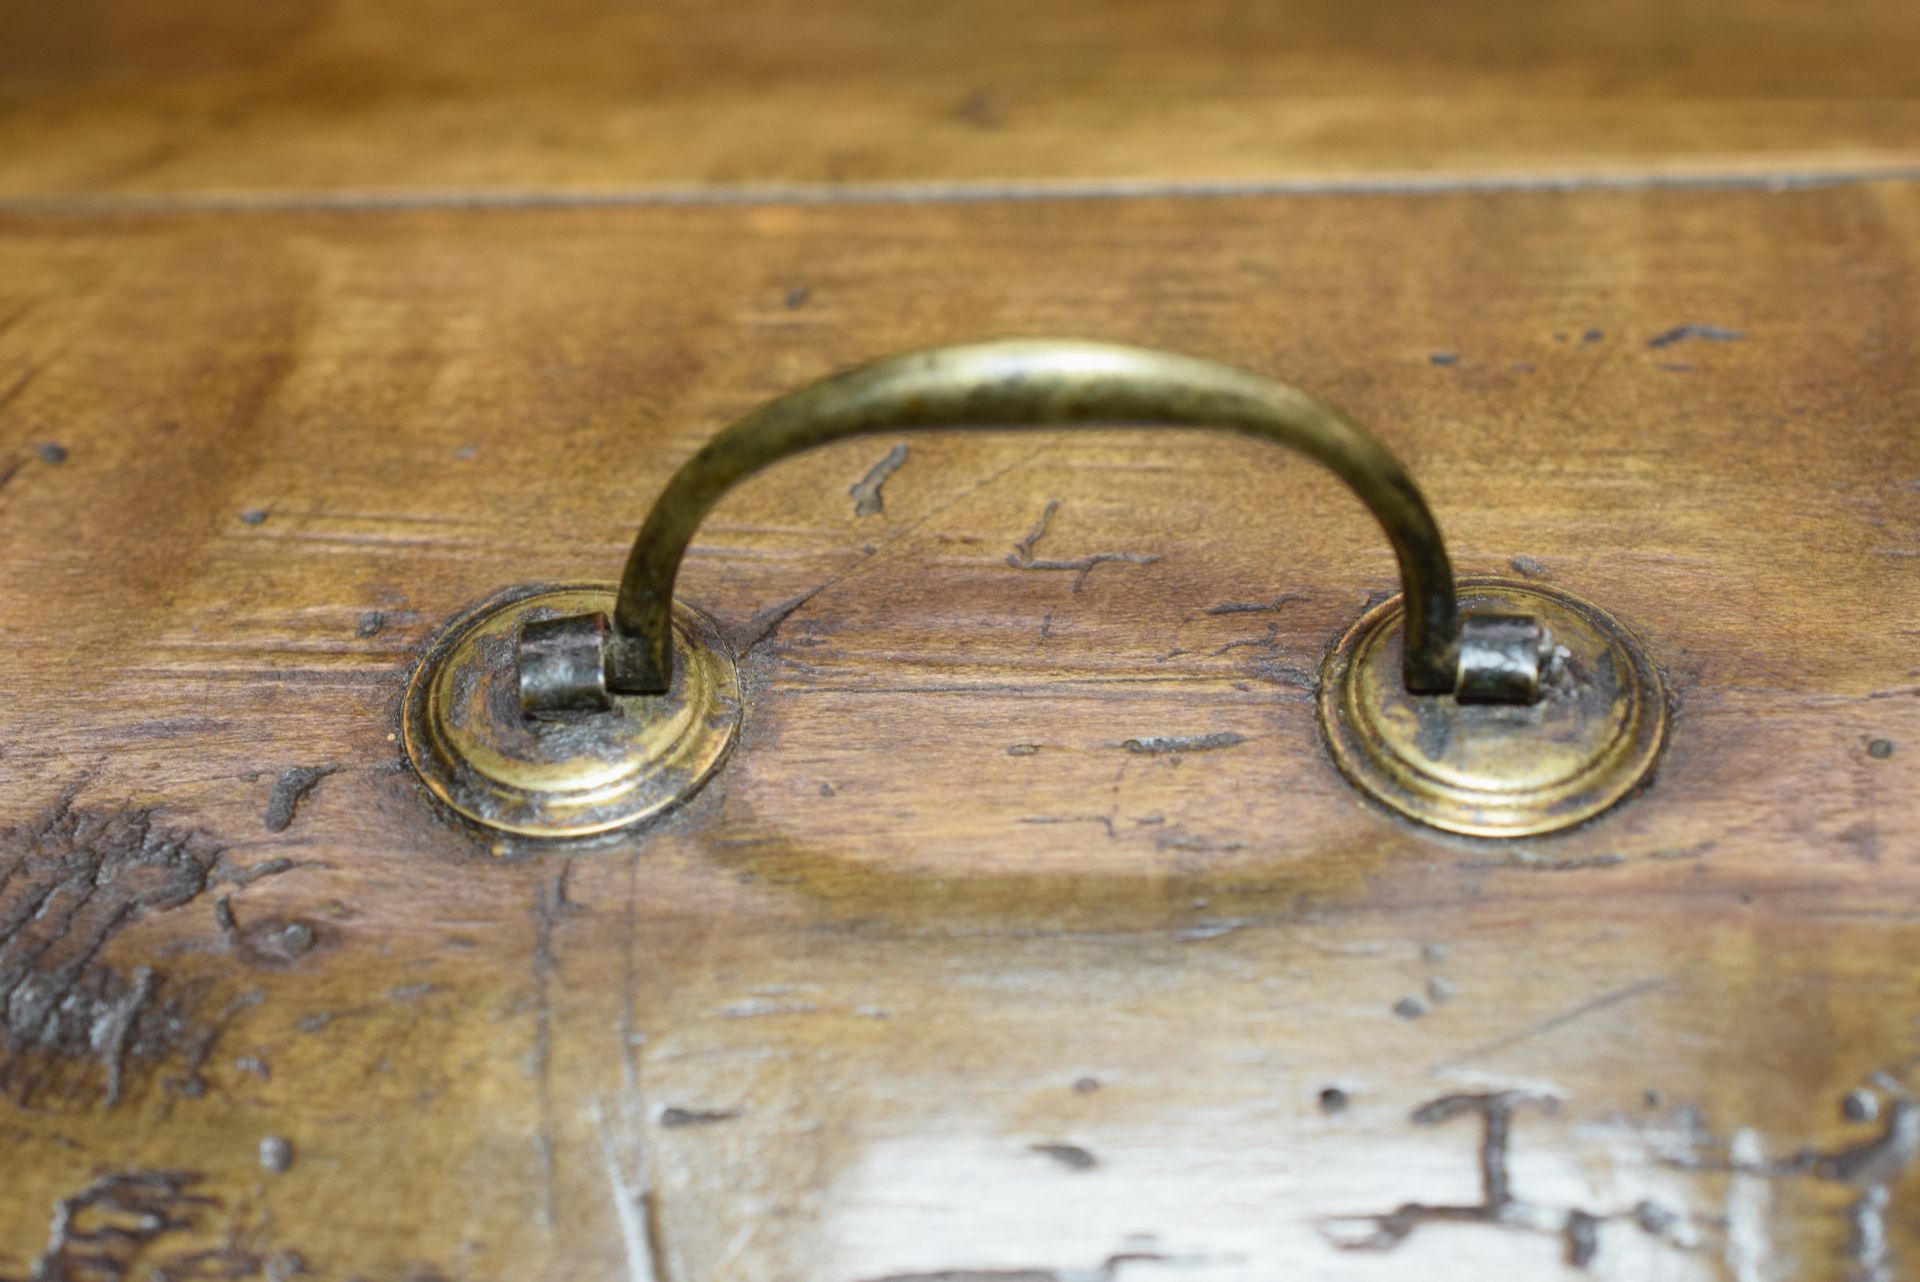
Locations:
column 1255, row 607
column 143, row 1225
column 70, row 882
column 1681, row 333
column 867, row 498
column 274, row 942
column 106, row 1229
column 288, row 790
column 675, row 1116
column 1499, row 1206
column 1071, row 1156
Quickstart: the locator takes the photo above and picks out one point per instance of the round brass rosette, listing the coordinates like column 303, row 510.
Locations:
column 566, row 774
column 1498, row 769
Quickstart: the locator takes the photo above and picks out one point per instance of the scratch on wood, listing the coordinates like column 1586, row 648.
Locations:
column 319, row 1021
column 867, row 499
column 246, row 876
column 1160, row 745
column 631, row 1184
column 1533, row 862
column 1270, row 642
column 1212, row 929
column 1879, row 1160
column 743, row 637
column 1867, row 1235
column 114, row 1023
column 1023, row 550
column 1873, row 1165
column 1108, row 1270
column 1710, row 333
column 676, row 1116
column 756, row 1007
column 634, row 1205
column 1499, row 1206
column 549, row 902
column 19, row 313
column 1022, row 557
column 1529, row 861
column 1552, row 1023
column 894, row 536
column 628, row 1030
column 1179, row 838
column 20, row 385
column 1747, row 1249
column 1694, row 851
column 1105, row 821
column 1086, row 565
column 1255, row 607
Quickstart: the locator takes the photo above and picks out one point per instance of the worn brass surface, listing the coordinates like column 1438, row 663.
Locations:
column 564, row 775
column 1027, row 382
column 1498, row 769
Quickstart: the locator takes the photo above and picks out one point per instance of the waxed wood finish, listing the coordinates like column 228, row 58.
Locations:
column 209, row 99
column 1029, row 932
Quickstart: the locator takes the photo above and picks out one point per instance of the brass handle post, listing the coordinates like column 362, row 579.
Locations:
column 573, row 662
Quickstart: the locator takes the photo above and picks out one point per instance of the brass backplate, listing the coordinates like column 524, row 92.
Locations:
column 573, row 774
column 1498, row 770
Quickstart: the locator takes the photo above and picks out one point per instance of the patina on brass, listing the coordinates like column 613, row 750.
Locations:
column 1498, row 769
column 565, row 774
column 1009, row 383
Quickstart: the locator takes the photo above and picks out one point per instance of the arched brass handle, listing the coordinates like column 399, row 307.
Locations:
column 572, row 662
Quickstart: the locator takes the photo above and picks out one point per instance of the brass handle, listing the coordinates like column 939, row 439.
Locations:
column 573, row 661
column 1402, row 696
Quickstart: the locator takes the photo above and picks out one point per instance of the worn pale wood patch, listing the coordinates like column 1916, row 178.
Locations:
column 942, row 978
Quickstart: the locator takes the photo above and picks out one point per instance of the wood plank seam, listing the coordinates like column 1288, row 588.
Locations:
column 917, row 193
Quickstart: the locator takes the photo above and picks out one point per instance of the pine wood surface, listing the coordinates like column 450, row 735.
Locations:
column 1029, row 933
column 342, row 99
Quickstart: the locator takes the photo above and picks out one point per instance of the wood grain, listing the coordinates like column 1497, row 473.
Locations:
column 313, row 99
column 940, row 978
